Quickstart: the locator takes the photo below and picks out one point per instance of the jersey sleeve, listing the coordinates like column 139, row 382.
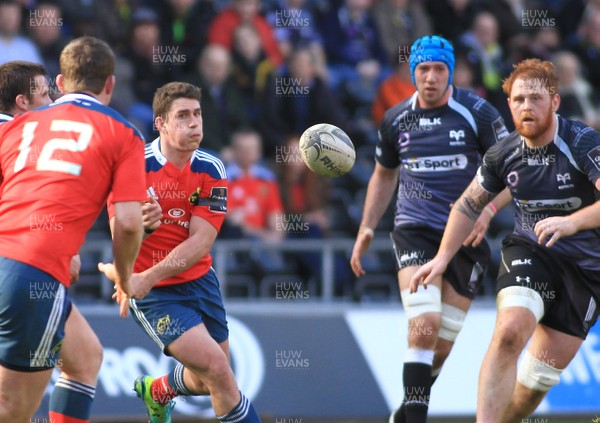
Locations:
column 210, row 200
column 489, row 173
column 490, row 125
column 129, row 180
column 386, row 153
column 587, row 153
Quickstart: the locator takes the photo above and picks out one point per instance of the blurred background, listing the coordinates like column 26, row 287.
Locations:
column 268, row 70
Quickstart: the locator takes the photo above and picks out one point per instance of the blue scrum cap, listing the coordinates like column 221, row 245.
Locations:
column 432, row 48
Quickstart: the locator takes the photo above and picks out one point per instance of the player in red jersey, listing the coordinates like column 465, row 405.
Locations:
column 23, row 87
column 178, row 301
column 58, row 164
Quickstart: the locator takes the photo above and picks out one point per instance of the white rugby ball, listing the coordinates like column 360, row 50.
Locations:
column 327, row 150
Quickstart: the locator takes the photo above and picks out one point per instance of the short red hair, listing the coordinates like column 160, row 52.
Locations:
column 537, row 69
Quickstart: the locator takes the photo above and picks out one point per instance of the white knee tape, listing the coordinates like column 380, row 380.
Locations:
column 423, row 301
column 520, row 296
column 452, row 322
column 536, row 374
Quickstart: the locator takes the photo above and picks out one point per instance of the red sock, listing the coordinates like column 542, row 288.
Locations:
column 161, row 390
column 61, row 418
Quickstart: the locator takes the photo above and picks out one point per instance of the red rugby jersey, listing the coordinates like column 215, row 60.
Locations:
column 58, row 165
column 198, row 189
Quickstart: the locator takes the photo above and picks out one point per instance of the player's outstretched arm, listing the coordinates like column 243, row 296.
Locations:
column 460, row 224
column 379, row 193
column 127, row 237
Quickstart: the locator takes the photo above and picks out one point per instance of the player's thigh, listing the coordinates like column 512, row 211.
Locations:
column 81, row 352
column 197, row 350
column 553, row 347
column 21, row 393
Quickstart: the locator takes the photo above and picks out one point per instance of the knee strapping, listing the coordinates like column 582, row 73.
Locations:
column 520, row 296
column 536, row 374
column 452, row 322
column 423, row 301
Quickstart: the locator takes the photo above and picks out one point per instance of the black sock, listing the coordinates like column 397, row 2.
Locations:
column 400, row 414
column 417, row 387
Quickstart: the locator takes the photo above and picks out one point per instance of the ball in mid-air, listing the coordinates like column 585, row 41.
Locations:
column 327, row 150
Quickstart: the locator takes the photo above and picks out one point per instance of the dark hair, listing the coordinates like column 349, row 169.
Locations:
column 168, row 93
column 17, row 77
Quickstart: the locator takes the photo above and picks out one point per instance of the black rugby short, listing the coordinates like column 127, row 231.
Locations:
column 570, row 293
column 415, row 245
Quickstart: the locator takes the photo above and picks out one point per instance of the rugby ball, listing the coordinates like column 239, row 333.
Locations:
column 327, row 150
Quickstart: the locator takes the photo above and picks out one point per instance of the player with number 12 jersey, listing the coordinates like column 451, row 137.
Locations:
column 57, row 167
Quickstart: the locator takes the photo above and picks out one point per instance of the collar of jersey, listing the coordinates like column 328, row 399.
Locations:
column 77, row 96
column 6, row 116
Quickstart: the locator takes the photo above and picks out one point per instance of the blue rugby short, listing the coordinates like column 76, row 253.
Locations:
column 33, row 310
column 168, row 312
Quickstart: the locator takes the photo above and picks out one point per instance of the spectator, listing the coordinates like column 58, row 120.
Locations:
column 224, row 108
column 305, row 197
column 485, row 53
column 152, row 67
column 223, row 27
column 48, row 36
column 465, row 76
column 451, row 18
column 12, row 45
column 577, row 98
column 294, row 27
column 399, row 22
column 254, row 197
column 296, row 99
column 396, row 88
column 352, row 44
column 251, row 67
column 185, row 23
column 587, row 46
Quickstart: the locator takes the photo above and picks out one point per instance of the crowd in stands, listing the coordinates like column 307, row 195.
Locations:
column 270, row 69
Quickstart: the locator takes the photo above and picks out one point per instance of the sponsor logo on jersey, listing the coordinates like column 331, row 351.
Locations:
column 594, row 156
column 403, row 139
column 430, row 121
column 176, row 212
column 512, row 178
column 499, row 128
column 564, row 179
column 458, row 136
column 521, row 262
column 436, row 163
column 539, row 160
column 566, row 204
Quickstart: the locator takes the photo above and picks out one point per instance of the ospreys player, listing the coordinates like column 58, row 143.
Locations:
column 431, row 145
column 549, row 279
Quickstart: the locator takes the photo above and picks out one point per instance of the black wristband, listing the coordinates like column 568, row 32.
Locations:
column 148, row 231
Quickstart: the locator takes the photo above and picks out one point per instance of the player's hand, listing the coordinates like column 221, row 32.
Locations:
column 554, row 228
column 140, row 286
column 74, row 268
column 123, row 300
column 363, row 240
column 151, row 214
column 479, row 229
column 427, row 273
